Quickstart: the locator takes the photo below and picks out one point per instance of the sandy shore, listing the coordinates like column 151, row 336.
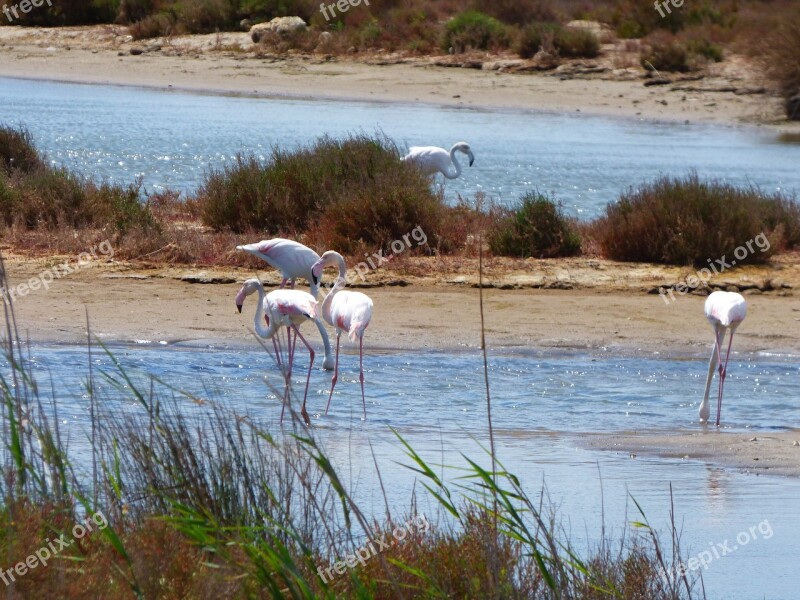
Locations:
column 775, row 453
column 612, row 85
column 579, row 303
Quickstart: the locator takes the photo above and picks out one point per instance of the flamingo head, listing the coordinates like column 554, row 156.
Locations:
column 249, row 287
column 464, row 147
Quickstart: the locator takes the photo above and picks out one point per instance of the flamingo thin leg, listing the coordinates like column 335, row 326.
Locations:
column 361, row 377
column 723, row 373
column 335, row 372
column 297, row 334
column 288, row 373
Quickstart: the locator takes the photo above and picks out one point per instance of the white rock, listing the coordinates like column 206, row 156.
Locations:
column 279, row 25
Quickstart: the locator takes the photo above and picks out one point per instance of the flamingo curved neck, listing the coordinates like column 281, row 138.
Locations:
column 455, row 162
column 259, row 318
column 338, row 260
column 326, row 303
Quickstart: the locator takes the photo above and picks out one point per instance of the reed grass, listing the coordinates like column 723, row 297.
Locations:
column 202, row 502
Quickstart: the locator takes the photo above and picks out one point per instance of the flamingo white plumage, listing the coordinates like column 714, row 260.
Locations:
column 289, row 308
column 725, row 311
column 348, row 312
column 431, row 159
column 293, row 260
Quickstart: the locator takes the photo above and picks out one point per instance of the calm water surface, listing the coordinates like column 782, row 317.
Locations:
column 541, row 405
column 170, row 139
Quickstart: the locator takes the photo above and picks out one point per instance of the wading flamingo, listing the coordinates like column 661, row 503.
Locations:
column 431, row 159
column 724, row 310
column 346, row 311
column 288, row 308
column 293, row 260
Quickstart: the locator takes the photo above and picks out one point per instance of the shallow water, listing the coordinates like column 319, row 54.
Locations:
column 170, row 139
column 541, row 402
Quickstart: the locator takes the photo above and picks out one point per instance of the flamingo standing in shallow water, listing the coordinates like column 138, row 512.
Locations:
column 346, row 311
column 293, row 260
column 288, row 308
column 431, row 159
column 724, row 310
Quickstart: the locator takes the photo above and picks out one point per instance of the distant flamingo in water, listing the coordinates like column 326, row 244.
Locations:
column 347, row 311
column 293, row 260
column 724, row 310
column 288, row 308
column 431, row 159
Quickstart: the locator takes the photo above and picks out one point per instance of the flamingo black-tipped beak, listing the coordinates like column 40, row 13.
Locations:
column 239, row 307
column 471, row 160
column 316, row 279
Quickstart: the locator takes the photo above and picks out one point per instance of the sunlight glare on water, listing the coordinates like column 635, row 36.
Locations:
column 170, row 139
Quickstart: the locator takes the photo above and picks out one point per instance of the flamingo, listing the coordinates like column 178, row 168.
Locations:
column 282, row 307
column 724, row 310
column 432, row 158
column 346, row 311
column 293, row 260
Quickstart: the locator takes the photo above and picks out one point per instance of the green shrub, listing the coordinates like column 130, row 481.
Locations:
column 705, row 48
column 474, row 30
column 778, row 55
column 666, row 55
column 536, row 227
column 536, row 36
column 577, row 43
column 517, row 12
column 158, row 25
column 688, row 221
column 35, row 195
column 17, row 151
column 54, row 197
column 552, row 37
column 343, row 192
column 638, row 18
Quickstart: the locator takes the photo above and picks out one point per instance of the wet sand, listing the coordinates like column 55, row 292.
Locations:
column 774, row 453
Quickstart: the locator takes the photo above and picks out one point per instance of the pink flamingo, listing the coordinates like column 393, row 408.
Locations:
column 289, row 308
column 293, row 260
column 346, row 311
column 724, row 310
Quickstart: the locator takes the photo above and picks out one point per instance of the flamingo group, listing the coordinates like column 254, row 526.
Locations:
column 294, row 261
column 344, row 310
column 432, row 159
